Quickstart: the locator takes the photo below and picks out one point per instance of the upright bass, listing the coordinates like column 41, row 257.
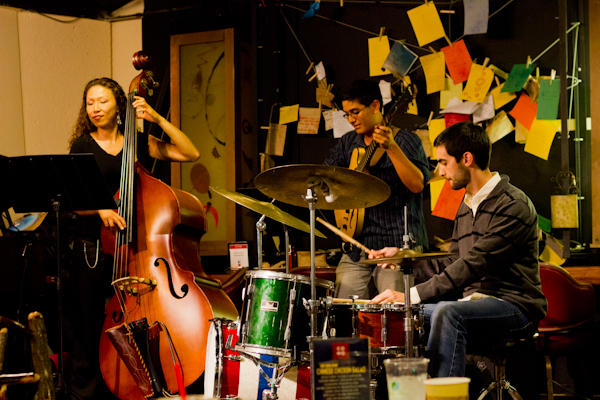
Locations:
column 157, row 323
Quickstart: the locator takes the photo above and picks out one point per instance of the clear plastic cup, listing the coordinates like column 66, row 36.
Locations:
column 406, row 378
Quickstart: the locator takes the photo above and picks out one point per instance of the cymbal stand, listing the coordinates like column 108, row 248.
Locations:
column 287, row 248
column 407, row 272
column 313, row 302
column 261, row 225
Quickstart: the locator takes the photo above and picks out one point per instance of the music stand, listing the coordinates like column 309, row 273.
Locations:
column 65, row 182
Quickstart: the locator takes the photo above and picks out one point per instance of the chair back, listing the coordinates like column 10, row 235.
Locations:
column 570, row 303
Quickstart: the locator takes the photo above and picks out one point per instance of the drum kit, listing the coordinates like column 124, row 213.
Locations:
column 283, row 313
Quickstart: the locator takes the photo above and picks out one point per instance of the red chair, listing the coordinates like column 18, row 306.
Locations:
column 567, row 327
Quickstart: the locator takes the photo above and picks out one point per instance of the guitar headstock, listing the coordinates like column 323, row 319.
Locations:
column 144, row 83
column 400, row 105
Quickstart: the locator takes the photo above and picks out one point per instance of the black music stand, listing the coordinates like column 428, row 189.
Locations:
column 65, row 182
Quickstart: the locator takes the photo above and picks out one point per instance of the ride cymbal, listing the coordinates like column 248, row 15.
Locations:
column 347, row 189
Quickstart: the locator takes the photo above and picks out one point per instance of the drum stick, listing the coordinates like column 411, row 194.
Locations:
column 357, row 301
column 344, row 236
column 347, row 301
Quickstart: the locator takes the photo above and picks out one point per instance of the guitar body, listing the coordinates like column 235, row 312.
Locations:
column 351, row 221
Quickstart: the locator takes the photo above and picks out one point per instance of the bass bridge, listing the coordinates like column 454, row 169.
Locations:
column 135, row 286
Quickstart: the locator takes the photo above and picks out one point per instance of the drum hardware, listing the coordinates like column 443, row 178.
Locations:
column 271, row 211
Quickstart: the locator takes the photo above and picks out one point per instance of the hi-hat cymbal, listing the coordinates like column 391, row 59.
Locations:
column 406, row 257
column 350, row 189
column 268, row 209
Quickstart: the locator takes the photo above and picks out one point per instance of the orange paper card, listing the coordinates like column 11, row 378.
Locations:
column 448, row 202
column 524, row 111
column 458, row 61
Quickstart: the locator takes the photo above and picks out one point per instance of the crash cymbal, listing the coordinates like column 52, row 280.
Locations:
column 348, row 188
column 406, row 257
column 268, row 209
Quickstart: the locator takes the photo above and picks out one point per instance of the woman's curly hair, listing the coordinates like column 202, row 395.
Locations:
column 84, row 126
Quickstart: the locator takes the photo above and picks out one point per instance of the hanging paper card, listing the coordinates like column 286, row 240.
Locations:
column 328, row 117
column 549, row 99
column 458, row 106
column 276, row 139
column 500, row 127
column 524, row 111
column 476, row 16
column 309, row 120
column 448, row 202
column 435, row 188
column 434, row 68
column 436, row 126
column 540, row 138
column 426, row 23
column 451, row 118
column 341, row 126
column 423, row 134
column 480, row 80
column 288, row 114
column 325, row 97
column 501, row 98
column 386, row 91
column 379, row 48
column 521, row 133
column 485, row 111
column 450, row 91
column 517, row 77
column 400, row 60
column 458, row 60
column 320, row 71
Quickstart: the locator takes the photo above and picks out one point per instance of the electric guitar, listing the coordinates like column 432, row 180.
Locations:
column 351, row 221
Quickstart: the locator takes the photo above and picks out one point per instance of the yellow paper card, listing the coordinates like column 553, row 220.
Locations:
column 521, row 133
column 450, row 91
column 500, row 98
column 436, row 126
column 379, row 49
column 480, row 80
column 500, row 127
column 436, row 188
column 426, row 23
column 434, row 67
column 288, row 114
column 540, row 138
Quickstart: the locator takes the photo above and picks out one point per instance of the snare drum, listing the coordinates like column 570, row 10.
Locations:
column 222, row 374
column 384, row 324
column 274, row 318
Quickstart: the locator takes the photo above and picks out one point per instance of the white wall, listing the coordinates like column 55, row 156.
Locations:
column 45, row 64
column 12, row 140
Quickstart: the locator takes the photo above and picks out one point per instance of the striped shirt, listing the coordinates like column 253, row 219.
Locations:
column 384, row 223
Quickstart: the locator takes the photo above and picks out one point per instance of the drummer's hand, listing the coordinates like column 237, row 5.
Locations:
column 385, row 252
column 382, row 135
column 111, row 219
column 388, row 297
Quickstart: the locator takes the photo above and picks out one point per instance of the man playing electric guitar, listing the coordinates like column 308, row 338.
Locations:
column 403, row 167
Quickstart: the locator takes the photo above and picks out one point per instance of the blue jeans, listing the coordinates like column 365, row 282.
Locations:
column 452, row 325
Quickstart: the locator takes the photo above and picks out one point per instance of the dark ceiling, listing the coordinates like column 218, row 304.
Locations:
column 96, row 9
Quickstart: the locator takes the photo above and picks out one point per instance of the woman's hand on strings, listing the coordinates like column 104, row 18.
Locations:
column 110, row 219
column 144, row 111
